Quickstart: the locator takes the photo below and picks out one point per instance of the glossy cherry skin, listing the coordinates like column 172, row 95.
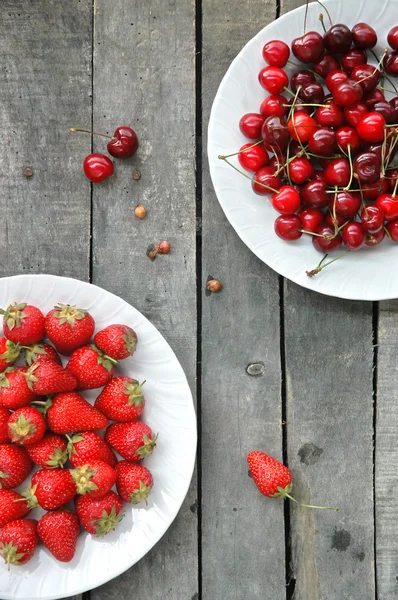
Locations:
column 301, row 78
column 346, row 204
column 301, row 126
column 353, row 58
column 330, row 115
column 364, row 36
column 394, row 102
column 323, row 142
column 314, row 194
column 354, row 235
column 338, row 172
column 309, row 47
column 275, row 133
column 298, row 106
column 388, row 204
column 276, row 53
column 324, row 245
column 370, row 98
column 390, row 63
column 253, row 159
column 366, row 167
column 265, row 181
column 310, row 218
column 288, row 227
column 312, row 93
column 372, row 218
column 353, row 113
column 371, row 126
column 286, row 201
column 275, row 104
column 273, row 79
column 335, row 77
column 390, row 178
column 388, row 111
column 251, row 124
column 125, row 143
column 331, row 220
column 392, row 37
column 366, row 76
column 347, row 136
column 346, row 93
column 371, row 191
column 278, row 164
column 319, row 175
column 375, row 238
column 338, row 39
column 97, row 167
column 300, row 170
column 392, row 228
column 327, row 64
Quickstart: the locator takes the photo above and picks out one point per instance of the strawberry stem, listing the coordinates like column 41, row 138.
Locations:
column 311, row 505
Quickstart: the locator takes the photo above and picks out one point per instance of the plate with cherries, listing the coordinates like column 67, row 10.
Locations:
column 303, row 147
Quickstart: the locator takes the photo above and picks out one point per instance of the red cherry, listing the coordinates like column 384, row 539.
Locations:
column 253, row 159
column 388, row 204
column 274, row 105
column 345, row 204
column 372, row 97
column 300, row 170
column 278, row 164
column 390, row 63
column 323, row 142
column 97, row 167
column 390, row 178
column 251, row 124
column 392, row 228
column 364, row 36
column 371, row 126
column 346, row 93
column 338, row 39
column 352, row 58
column 275, row 133
column 310, row 218
column 371, row 191
column 338, row 172
column 314, row 193
column 309, row 47
column 367, row 167
column 388, row 111
column 319, row 175
column 372, row 218
column 286, row 201
column 335, row 77
column 312, row 93
column 124, row 144
column 392, row 37
column 347, row 136
column 323, row 244
column 301, row 126
column 353, row 113
column 338, row 221
column 301, row 78
column 276, row 53
column 288, row 227
column 375, row 238
column 354, row 235
column 325, row 65
column 298, row 106
column 366, row 76
column 330, row 115
column 264, row 179
column 273, row 79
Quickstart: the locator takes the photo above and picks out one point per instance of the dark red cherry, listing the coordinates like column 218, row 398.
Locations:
column 275, row 133
column 390, row 63
column 331, row 220
column 371, row 126
column 330, row 115
column 301, row 78
column 338, row 39
column 309, row 47
column 371, row 191
column 124, row 142
column 353, row 58
column 254, row 158
column 295, row 148
column 335, row 77
column 364, row 36
column 300, row 170
column 392, row 37
column 338, row 172
column 366, row 76
column 370, row 98
column 329, row 242
column 319, row 175
column 264, row 181
column 273, row 79
column 388, row 111
column 391, row 177
column 346, row 204
column 277, row 162
column 375, row 238
column 366, row 167
column 372, row 218
column 276, row 53
column 312, row 93
column 310, row 218
column 327, row 64
column 286, row 201
column 275, row 104
column 392, row 228
column 347, row 136
column 288, row 227
column 354, row 235
column 394, row 103
column 354, row 112
column 251, row 124
column 388, row 204
column 302, row 127
column 323, row 142
column 346, row 93
column 298, row 106
column 314, row 194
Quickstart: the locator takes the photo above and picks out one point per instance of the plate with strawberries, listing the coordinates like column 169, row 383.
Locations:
column 97, row 437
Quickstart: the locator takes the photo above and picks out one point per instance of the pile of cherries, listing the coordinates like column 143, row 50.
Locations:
column 324, row 142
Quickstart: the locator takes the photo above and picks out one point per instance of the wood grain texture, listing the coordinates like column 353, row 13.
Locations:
column 386, row 476
column 46, row 217
column 242, row 532
column 144, row 77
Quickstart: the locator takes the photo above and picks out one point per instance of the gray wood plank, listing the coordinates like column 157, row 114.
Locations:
column 386, row 480
column 144, row 77
column 45, row 217
column 242, row 532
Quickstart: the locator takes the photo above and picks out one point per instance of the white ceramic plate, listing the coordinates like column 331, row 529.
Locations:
column 369, row 274
column 169, row 411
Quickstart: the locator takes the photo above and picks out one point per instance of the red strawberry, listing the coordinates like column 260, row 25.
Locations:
column 134, row 482
column 88, row 446
column 69, row 327
column 38, row 353
column 70, row 412
column 49, row 378
column 14, row 389
column 9, row 353
column 91, row 367
column 121, row 399
column 59, row 531
column 50, row 489
column 4, row 416
column 12, row 506
column 26, row 425
column 134, row 441
column 23, row 324
column 116, row 341
column 95, row 478
column 99, row 515
column 15, row 465
column 270, row 476
column 49, row 452
column 18, row 541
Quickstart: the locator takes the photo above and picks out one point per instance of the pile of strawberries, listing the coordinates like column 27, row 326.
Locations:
column 45, row 421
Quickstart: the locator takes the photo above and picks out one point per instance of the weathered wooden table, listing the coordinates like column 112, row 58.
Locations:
column 326, row 399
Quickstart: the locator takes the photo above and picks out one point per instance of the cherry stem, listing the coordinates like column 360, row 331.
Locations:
column 222, row 156
column 322, row 23
column 302, row 104
column 74, row 129
column 351, row 169
column 387, row 232
column 305, row 15
column 320, row 267
column 314, row 234
column 384, row 74
column 247, row 176
column 319, row 156
column 395, row 188
column 290, row 92
column 387, row 160
column 310, row 505
column 362, row 199
column 288, row 161
column 293, row 103
column 327, row 12
column 376, row 68
column 380, row 87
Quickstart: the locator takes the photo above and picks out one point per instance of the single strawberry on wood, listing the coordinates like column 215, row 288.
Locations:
column 121, row 399
column 50, row 489
column 14, row 389
column 69, row 327
column 4, row 416
column 70, row 413
column 48, row 377
column 133, row 441
column 9, row 353
column 117, row 341
column 23, row 324
column 87, row 446
column 99, row 516
column 49, row 452
column 91, row 367
column 134, row 482
column 95, row 478
column 37, row 353
column 58, row 531
column 15, row 465
column 12, row 506
column 18, row 541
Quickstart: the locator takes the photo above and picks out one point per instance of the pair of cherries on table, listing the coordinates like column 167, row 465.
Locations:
column 123, row 144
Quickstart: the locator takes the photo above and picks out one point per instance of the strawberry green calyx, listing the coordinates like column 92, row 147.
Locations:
column 103, row 359
column 134, row 392
column 71, row 442
column 10, row 554
column 30, row 496
column 32, row 353
column 130, row 340
column 12, row 352
column 4, row 382
column 107, row 522
column 141, row 494
column 30, row 376
column 69, row 314
column 83, row 476
column 43, row 405
column 21, row 429
column 57, row 459
column 14, row 314
column 148, row 447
